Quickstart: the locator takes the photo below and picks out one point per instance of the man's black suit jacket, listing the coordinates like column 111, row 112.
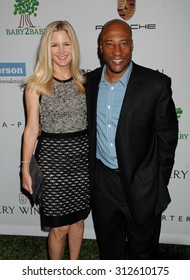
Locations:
column 146, row 139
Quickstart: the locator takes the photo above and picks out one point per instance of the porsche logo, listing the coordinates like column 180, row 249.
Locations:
column 126, row 8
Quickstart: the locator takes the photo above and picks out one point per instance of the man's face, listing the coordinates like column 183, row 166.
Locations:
column 116, row 46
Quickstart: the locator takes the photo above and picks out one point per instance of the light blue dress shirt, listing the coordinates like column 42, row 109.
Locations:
column 110, row 99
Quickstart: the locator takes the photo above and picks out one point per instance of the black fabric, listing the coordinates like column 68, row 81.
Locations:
column 56, row 221
column 37, row 180
column 66, row 192
column 118, row 236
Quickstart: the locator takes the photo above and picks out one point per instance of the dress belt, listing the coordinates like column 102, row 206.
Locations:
column 116, row 171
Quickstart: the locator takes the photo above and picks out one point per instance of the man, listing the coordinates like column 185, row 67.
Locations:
column 133, row 132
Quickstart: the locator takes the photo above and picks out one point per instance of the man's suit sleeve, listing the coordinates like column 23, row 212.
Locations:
column 166, row 125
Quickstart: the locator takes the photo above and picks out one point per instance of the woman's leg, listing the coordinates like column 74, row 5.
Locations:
column 75, row 237
column 56, row 242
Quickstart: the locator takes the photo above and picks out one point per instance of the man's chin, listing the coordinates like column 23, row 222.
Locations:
column 118, row 71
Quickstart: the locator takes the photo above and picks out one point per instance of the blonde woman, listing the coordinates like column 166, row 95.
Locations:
column 55, row 98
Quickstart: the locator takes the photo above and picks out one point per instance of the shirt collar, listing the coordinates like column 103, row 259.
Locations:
column 123, row 80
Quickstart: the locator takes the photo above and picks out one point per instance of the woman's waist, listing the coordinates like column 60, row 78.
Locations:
column 59, row 135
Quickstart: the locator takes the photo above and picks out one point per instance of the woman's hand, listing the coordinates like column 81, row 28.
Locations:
column 26, row 179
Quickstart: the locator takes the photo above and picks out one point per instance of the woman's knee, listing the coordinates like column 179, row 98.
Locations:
column 60, row 232
column 78, row 225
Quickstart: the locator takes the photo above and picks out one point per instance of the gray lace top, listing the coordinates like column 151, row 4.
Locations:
column 65, row 110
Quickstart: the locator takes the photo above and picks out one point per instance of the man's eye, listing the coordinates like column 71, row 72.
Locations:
column 125, row 43
column 108, row 44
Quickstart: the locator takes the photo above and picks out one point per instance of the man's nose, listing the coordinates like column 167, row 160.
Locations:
column 117, row 49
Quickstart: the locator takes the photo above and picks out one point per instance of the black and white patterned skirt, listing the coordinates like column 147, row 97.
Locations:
column 63, row 159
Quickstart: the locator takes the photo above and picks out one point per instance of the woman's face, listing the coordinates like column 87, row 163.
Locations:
column 61, row 50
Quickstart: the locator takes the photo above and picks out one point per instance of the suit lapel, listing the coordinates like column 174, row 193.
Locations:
column 92, row 96
column 133, row 89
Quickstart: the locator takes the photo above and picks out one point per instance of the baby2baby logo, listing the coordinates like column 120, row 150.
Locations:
column 182, row 135
column 25, row 10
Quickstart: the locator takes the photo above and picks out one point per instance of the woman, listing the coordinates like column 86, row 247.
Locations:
column 55, row 98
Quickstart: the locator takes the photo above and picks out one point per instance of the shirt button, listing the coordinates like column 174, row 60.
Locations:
column 109, row 106
column 109, row 125
column 111, row 144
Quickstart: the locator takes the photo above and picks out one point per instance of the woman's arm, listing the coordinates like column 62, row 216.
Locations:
column 30, row 135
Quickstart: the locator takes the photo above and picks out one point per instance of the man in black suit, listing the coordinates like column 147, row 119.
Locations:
column 133, row 132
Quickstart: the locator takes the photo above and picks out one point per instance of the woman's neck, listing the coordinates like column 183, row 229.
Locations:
column 62, row 75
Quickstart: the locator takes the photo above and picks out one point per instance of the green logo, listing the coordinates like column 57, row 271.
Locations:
column 179, row 112
column 26, row 8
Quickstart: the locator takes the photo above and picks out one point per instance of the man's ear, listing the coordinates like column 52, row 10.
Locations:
column 100, row 47
column 132, row 45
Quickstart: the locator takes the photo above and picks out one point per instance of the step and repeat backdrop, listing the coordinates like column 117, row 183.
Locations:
column 161, row 41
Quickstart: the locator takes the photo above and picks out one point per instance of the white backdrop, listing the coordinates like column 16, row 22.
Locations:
column 161, row 39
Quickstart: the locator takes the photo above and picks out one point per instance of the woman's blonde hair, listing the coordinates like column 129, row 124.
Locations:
column 42, row 79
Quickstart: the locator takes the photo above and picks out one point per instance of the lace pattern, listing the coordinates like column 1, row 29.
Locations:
column 65, row 110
